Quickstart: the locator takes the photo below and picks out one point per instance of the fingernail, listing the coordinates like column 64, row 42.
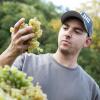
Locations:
column 22, row 18
column 30, row 27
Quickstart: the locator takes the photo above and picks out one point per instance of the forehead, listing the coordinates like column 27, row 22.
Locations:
column 76, row 21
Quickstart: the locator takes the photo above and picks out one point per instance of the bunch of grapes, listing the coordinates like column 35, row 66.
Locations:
column 36, row 29
column 14, row 85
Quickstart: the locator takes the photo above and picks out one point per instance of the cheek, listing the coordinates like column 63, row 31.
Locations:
column 78, row 42
column 59, row 37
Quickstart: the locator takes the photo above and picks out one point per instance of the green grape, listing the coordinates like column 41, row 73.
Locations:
column 36, row 29
column 18, row 86
column 34, row 44
column 39, row 49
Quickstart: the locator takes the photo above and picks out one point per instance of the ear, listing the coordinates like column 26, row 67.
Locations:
column 88, row 42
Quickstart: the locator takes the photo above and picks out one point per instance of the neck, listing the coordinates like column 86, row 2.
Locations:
column 68, row 60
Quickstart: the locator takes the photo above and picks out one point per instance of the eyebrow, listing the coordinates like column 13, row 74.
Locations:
column 74, row 27
column 79, row 29
column 66, row 25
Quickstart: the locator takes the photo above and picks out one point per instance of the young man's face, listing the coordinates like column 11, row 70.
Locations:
column 72, row 36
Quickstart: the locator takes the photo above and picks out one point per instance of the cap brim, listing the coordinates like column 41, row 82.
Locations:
column 83, row 17
column 73, row 14
column 69, row 14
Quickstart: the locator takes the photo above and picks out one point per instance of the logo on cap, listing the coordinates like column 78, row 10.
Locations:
column 87, row 22
column 85, row 17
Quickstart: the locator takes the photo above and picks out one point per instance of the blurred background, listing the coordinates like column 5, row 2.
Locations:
column 49, row 13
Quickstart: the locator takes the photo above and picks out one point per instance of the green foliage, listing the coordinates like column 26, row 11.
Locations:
column 12, row 10
column 90, row 58
column 90, row 61
column 30, row 2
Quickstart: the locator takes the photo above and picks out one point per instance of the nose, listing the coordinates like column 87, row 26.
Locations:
column 68, row 33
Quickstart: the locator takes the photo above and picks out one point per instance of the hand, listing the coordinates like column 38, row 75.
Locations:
column 20, row 38
column 19, row 43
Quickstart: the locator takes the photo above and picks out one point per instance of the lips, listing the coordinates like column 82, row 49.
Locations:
column 66, row 42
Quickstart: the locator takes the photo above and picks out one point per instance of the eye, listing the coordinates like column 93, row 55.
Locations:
column 78, row 32
column 65, row 27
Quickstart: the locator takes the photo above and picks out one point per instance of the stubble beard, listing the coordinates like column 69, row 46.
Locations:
column 68, row 51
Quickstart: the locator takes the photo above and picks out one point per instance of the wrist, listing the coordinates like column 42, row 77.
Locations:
column 8, row 56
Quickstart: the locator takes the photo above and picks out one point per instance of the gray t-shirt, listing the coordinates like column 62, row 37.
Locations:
column 57, row 81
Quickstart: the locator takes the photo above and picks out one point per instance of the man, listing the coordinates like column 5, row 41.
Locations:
column 59, row 74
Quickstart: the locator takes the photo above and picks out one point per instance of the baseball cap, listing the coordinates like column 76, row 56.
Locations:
column 82, row 16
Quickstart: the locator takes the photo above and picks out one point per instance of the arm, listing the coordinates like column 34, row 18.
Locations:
column 7, row 57
column 18, row 43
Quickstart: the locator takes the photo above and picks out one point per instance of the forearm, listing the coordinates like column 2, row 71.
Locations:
column 7, row 57
column 18, row 43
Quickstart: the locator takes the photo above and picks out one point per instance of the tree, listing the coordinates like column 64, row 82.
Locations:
column 90, row 58
column 11, row 11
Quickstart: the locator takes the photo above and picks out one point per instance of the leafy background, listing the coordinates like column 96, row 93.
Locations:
column 49, row 14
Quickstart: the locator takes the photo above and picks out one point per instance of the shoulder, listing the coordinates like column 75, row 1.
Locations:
column 93, row 86
column 26, row 56
column 27, row 59
column 87, row 76
column 31, row 56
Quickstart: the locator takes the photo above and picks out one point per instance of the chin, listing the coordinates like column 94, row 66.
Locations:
column 65, row 50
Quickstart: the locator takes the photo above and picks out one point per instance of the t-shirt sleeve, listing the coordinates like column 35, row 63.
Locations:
column 96, row 92
column 19, row 62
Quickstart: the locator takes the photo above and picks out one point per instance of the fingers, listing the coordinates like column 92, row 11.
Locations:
column 23, row 31
column 20, row 37
column 20, row 45
column 24, row 38
column 22, row 48
column 17, row 25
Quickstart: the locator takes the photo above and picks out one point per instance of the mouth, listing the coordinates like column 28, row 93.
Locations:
column 65, row 42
